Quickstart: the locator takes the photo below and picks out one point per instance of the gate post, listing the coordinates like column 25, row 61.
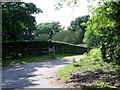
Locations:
column 53, row 54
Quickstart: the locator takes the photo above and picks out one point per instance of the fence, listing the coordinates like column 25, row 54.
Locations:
column 28, row 48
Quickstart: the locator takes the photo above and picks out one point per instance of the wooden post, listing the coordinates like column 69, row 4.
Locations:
column 53, row 54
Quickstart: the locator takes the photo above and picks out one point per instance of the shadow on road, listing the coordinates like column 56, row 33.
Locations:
column 18, row 76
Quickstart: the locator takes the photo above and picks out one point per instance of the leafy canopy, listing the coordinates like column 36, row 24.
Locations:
column 105, row 25
column 17, row 18
column 48, row 28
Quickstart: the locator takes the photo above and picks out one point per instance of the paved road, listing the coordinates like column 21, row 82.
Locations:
column 34, row 75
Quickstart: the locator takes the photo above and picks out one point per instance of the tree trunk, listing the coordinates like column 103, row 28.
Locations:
column 103, row 50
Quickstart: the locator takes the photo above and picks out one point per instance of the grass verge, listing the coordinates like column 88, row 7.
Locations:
column 92, row 72
column 9, row 62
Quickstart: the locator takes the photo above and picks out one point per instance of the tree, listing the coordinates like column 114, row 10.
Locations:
column 91, row 40
column 29, row 34
column 66, row 36
column 105, row 25
column 48, row 28
column 76, row 26
column 42, row 37
column 17, row 18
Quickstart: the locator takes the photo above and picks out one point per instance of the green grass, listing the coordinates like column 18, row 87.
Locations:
column 92, row 72
column 9, row 62
column 84, row 63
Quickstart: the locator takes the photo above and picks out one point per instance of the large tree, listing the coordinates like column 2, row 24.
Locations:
column 76, row 26
column 48, row 28
column 105, row 25
column 17, row 18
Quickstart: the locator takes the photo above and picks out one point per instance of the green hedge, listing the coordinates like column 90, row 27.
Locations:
column 28, row 48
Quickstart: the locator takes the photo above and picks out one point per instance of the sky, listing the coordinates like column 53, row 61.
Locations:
column 64, row 15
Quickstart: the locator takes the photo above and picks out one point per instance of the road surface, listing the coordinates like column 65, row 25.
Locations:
column 35, row 75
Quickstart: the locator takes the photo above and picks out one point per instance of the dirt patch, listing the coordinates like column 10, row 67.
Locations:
column 58, row 82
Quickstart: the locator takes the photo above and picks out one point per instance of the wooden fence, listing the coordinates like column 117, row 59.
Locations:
column 25, row 48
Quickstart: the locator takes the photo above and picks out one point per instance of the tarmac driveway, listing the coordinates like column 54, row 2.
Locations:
column 34, row 75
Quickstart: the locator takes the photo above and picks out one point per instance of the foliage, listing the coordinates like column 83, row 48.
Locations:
column 17, row 18
column 76, row 26
column 48, row 28
column 105, row 26
column 65, row 36
column 28, row 34
column 61, row 3
column 91, row 40
column 42, row 37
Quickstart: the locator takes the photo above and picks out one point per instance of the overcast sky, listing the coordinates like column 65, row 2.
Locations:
column 64, row 15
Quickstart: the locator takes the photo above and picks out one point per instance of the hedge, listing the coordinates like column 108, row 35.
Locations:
column 28, row 48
